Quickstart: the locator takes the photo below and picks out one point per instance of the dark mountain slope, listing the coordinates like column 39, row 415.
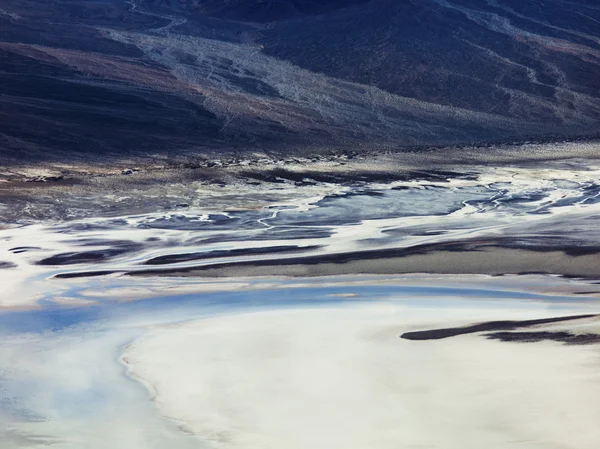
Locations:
column 483, row 56
column 107, row 77
column 258, row 11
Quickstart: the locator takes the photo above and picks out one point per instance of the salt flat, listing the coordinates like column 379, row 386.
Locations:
column 339, row 376
column 269, row 315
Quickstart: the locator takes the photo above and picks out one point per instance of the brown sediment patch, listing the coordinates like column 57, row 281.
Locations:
column 440, row 259
column 85, row 274
column 450, row 258
column 187, row 257
column 73, row 258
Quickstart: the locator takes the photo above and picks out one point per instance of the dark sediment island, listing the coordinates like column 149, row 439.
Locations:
column 439, row 334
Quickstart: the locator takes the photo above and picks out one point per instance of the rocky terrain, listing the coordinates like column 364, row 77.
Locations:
column 82, row 80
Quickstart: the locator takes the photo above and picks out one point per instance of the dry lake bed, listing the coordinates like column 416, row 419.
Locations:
column 439, row 309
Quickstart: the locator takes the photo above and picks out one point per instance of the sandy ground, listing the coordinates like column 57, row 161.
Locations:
column 339, row 377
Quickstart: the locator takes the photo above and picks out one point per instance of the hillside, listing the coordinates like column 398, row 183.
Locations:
column 107, row 78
